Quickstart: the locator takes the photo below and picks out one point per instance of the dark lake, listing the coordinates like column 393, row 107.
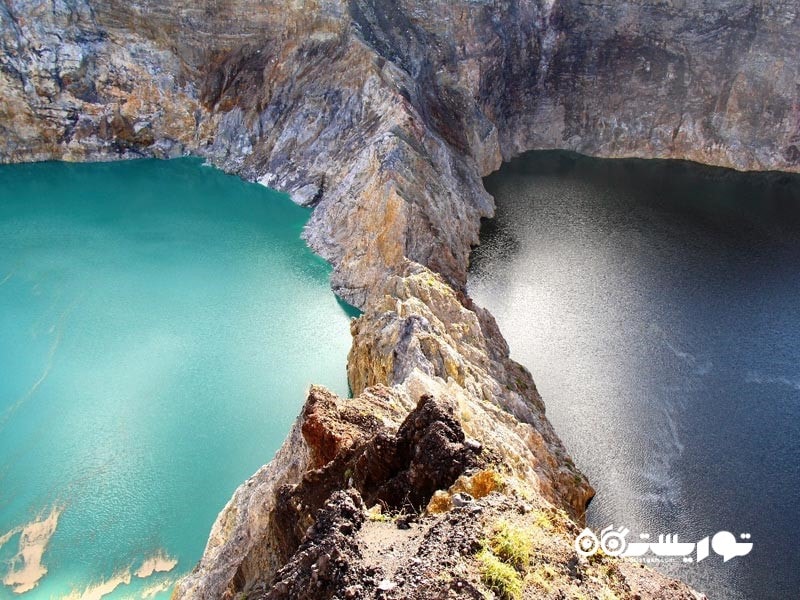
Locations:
column 657, row 304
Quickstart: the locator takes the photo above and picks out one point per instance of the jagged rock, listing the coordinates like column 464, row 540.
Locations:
column 425, row 338
column 398, row 468
column 324, row 544
column 246, row 545
column 430, row 445
column 371, row 443
column 323, row 565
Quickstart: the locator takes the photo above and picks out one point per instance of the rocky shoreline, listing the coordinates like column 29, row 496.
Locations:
column 384, row 116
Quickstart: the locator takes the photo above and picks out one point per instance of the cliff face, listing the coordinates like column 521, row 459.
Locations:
column 709, row 81
column 384, row 116
column 421, row 340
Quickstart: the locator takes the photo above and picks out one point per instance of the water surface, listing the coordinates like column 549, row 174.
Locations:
column 658, row 306
column 159, row 325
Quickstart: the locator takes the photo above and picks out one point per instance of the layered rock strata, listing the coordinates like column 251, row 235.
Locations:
column 384, row 116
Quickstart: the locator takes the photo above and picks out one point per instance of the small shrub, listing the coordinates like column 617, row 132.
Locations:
column 514, row 546
column 542, row 520
column 484, row 483
column 501, row 578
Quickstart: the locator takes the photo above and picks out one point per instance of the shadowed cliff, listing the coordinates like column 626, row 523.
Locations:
column 395, row 110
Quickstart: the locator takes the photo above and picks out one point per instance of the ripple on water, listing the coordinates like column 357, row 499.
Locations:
column 657, row 305
column 160, row 323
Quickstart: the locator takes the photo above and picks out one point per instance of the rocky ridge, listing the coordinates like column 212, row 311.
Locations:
column 384, row 116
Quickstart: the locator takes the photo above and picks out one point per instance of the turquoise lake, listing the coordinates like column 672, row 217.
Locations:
column 160, row 323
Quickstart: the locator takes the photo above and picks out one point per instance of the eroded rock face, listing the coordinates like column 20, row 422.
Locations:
column 370, row 444
column 436, row 494
column 398, row 468
column 385, row 114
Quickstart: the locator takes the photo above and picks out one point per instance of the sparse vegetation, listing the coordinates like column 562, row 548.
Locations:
column 543, row 577
column 504, row 560
column 513, row 545
column 501, row 578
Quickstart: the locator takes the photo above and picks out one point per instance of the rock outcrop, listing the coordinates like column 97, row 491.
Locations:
column 436, row 494
column 384, row 116
column 444, row 438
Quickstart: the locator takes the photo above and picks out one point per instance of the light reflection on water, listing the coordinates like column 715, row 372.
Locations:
column 160, row 323
column 657, row 305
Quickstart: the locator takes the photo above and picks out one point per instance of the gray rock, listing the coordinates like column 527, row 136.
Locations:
column 462, row 499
